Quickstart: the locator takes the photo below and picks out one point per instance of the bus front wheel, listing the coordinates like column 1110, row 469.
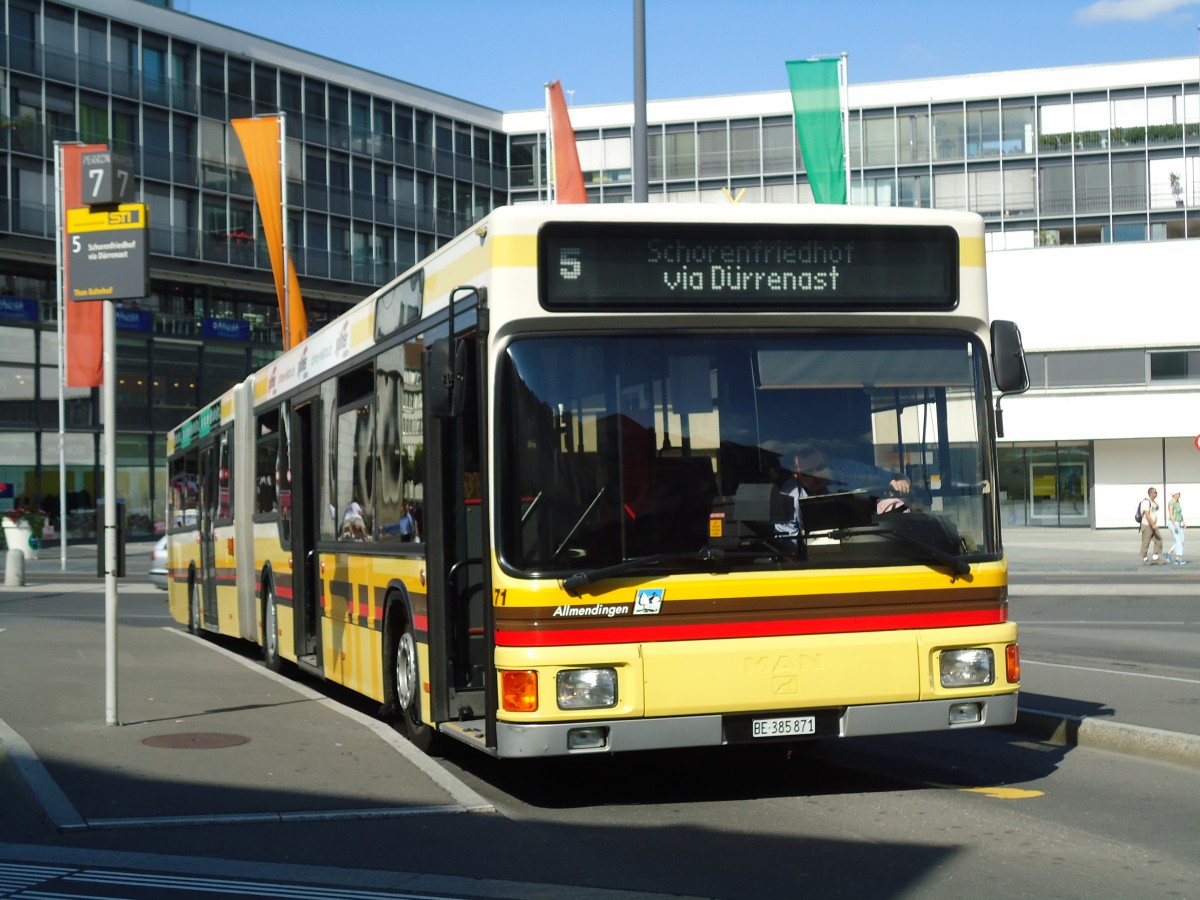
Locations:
column 404, row 680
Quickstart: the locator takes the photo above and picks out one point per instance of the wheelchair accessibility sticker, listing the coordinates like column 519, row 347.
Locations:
column 648, row 602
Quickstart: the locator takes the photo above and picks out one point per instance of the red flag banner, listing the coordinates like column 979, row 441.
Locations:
column 568, row 176
column 260, row 144
column 83, row 321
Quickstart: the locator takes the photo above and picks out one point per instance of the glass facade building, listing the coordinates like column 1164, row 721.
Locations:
column 381, row 172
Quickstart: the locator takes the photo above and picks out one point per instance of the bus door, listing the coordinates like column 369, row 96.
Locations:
column 209, row 492
column 460, row 605
column 306, row 522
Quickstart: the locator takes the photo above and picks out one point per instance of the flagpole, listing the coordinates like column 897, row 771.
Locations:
column 641, row 166
column 549, row 148
column 844, row 78
column 62, row 356
column 287, row 282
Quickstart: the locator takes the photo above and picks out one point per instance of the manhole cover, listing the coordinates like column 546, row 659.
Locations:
column 195, row 740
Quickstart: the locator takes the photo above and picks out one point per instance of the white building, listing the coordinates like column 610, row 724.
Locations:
column 1089, row 180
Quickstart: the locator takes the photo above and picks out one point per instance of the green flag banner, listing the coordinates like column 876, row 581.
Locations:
column 817, row 102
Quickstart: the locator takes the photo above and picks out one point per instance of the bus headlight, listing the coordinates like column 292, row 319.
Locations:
column 967, row 667
column 587, row 688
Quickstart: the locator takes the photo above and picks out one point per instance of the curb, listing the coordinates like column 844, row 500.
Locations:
column 1136, row 740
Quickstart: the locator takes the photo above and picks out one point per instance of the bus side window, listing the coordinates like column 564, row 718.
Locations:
column 265, row 454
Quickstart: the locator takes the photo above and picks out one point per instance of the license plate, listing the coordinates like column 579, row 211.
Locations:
column 786, row 726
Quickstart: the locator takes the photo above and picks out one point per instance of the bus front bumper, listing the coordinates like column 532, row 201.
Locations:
column 625, row 735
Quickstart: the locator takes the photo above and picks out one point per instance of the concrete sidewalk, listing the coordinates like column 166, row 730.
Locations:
column 1087, row 551
column 205, row 736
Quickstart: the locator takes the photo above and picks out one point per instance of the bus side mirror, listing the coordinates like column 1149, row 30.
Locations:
column 447, row 378
column 1008, row 358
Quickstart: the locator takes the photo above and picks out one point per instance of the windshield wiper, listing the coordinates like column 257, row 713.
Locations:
column 578, row 522
column 954, row 562
column 576, row 583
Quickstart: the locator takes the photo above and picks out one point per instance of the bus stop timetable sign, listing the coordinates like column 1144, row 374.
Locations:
column 108, row 258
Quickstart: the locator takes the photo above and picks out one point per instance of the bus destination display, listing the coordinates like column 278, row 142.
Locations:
column 598, row 266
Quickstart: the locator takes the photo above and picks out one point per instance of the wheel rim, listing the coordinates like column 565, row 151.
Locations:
column 270, row 628
column 406, row 671
column 197, row 612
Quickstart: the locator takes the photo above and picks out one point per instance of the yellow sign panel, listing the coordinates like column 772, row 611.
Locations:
column 127, row 215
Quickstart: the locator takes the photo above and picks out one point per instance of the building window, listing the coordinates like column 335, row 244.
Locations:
column 1017, row 123
column 879, row 141
column 1175, row 365
column 948, row 136
column 912, row 137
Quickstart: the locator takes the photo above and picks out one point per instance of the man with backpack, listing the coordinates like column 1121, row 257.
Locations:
column 1147, row 516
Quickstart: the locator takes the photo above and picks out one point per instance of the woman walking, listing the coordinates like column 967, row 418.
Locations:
column 1177, row 525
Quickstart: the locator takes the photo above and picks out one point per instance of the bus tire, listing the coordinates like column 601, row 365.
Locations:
column 270, row 630
column 195, row 607
column 402, row 679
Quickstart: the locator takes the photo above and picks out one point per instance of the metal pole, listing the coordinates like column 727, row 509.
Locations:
column 549, row 148
column 60, row 302
column 844, row 73
column 641, row 175
column 109, row 407
column 287, row 282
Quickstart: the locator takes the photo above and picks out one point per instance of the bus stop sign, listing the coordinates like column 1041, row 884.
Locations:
column 108, row 255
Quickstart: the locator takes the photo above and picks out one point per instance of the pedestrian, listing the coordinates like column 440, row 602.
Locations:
column 405, row 525
column 1177, row 525
column 1149, row 528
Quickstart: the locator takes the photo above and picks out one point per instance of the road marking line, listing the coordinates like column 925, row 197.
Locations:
column 1030, row 662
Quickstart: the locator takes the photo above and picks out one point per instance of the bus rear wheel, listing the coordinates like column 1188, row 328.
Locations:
column 403, row 681
column 270, row 631
column 195, row 609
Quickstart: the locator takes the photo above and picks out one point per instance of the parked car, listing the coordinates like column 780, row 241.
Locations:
column 158, row 564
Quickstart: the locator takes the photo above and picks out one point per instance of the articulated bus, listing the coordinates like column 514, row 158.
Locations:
column 593, row 479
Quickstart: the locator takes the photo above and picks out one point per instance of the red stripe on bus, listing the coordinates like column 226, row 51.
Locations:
column 775, row 628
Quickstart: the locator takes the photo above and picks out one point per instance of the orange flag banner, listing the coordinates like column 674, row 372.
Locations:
column 83, row 321
column 260, row 144
column 568, row 176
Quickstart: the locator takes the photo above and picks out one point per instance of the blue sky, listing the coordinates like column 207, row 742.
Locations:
column 500, row 52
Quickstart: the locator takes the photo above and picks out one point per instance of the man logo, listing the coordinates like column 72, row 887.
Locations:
column 788, row 684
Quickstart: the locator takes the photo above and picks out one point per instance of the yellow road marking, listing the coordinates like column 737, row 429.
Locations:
column 1005, row 793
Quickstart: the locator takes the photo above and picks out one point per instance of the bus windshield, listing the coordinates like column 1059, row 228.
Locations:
column 680, row 453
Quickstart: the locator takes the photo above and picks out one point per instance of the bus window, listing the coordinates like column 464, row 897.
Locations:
column 265, row 454
column 352, row 455
column 224, row 507
column 399, row 441
column 283, row 481
column 183, row 490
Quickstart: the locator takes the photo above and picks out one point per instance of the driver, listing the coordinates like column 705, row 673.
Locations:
column 816, row 474
column 813, row 474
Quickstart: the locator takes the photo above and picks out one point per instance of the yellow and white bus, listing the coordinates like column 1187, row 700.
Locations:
column 607, row 478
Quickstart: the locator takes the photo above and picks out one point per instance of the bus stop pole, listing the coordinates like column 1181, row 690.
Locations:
column 109, row 412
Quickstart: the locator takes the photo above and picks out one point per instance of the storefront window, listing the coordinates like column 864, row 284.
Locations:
column 1046, row 485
